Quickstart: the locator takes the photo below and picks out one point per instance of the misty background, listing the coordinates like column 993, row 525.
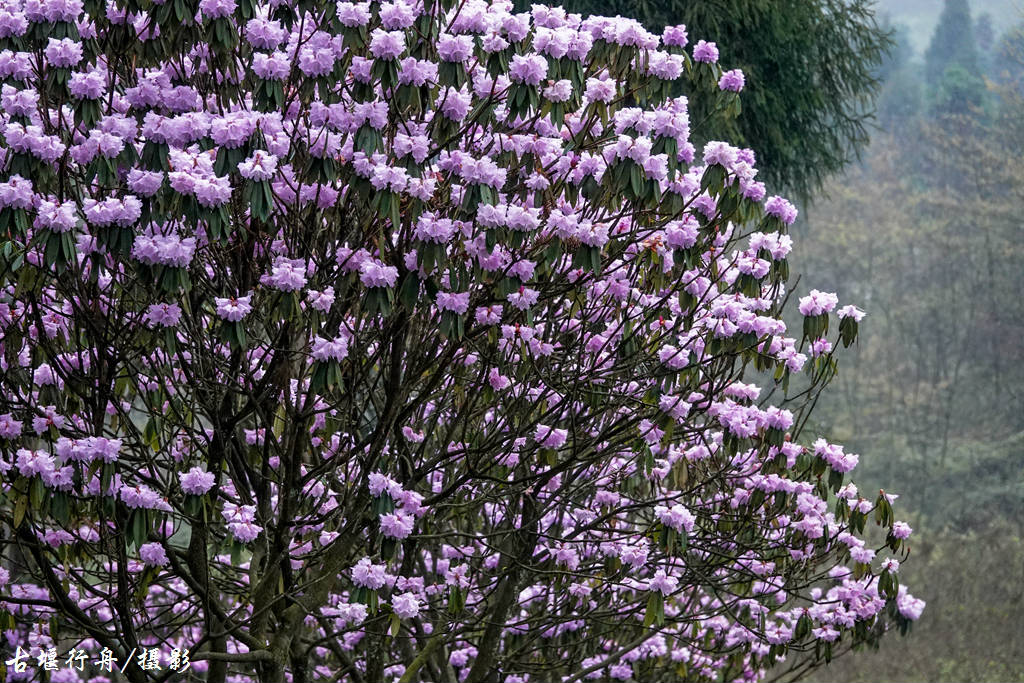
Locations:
column 925, row 233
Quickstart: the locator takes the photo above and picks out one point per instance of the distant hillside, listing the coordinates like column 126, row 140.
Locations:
column 920, row 15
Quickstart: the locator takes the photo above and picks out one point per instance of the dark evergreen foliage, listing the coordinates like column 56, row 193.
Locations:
column 952, row 43
column 952, row 64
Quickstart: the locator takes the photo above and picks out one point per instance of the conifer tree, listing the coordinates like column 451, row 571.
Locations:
column 952, row 43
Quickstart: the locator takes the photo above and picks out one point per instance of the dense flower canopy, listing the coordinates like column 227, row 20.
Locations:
column 412, row 341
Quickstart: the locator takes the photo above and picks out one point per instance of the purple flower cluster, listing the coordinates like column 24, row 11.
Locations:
column 63, row 53
column 528, row 69
column 123, row 212
column 153, row 554
column 732, row 81
column 374, row 273
column 162, row 315
column 142, row 497
column 706, row 52
column 330, row 349
column 286, row 275
column 55, row 216
column 818, row 303
column 781, row 209
column 550, row 437
column 369, row 575
column 233, row 309
column 675, row 36
column 241, row 522
column 456, row 302
column 168, row 250
column 198, row 180
column 196, row 481
column 259, row 166
column 387, row 44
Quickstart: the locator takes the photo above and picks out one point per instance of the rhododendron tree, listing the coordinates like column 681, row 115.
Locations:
column 415, row 341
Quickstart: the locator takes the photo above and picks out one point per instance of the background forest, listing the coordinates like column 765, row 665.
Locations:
column 935, row 210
